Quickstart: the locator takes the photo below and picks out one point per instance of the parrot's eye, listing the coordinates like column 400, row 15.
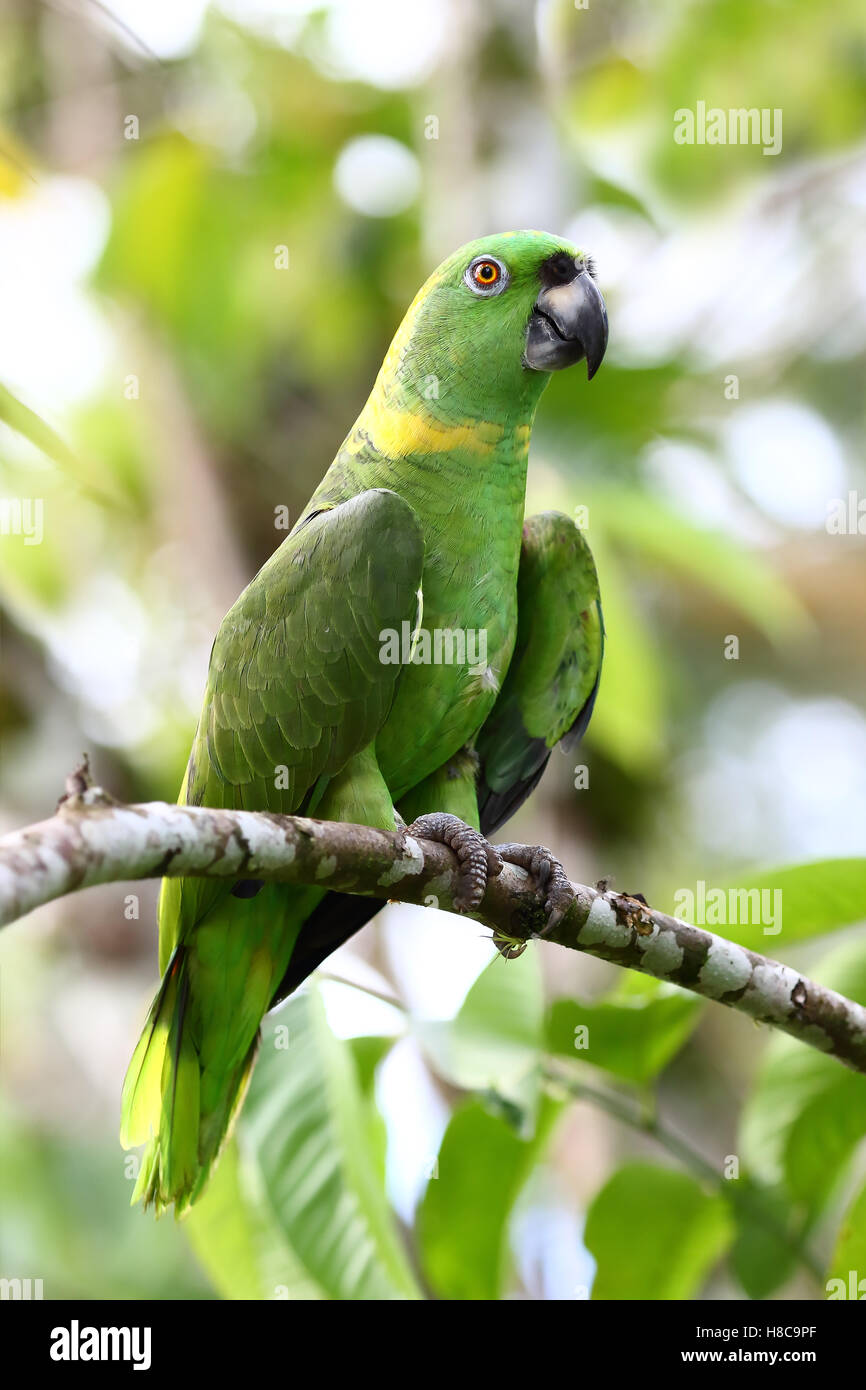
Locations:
column 486, row 276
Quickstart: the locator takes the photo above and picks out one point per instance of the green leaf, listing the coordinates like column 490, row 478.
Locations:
column 307, row 1144
column 368, row 1052
column 463, row 1219
column 632, row 1033
column 807, row 1113
column 238, row 1244
column 850, row 1252
column 815, row 899
column 824, row 1135
column 655, row 1234
column 495, row 1041
column 764, row 1252
column 233, row 1229
column 223, row 1233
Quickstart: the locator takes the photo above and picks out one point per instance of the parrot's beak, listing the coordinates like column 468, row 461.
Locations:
column 568, row 323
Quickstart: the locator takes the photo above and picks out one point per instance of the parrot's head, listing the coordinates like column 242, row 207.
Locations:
column 517, row 303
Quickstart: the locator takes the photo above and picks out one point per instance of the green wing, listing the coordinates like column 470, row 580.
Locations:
column 552, row 681
column 296, row 686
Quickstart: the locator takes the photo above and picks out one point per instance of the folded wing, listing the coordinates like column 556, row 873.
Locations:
column 551, row 685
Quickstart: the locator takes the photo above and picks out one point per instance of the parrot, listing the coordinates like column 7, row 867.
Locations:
column 418, row 521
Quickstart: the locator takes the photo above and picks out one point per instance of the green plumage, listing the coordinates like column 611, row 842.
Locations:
column 419, row 519
column 553, row 677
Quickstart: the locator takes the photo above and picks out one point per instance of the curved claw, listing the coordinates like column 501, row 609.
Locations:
column 550, row 879
column 478, row 859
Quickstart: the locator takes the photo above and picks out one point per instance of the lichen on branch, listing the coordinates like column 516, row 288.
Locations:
column 94, row 839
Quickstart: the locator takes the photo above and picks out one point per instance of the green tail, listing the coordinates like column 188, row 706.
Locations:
column 190, row 1071
column 162, row 1100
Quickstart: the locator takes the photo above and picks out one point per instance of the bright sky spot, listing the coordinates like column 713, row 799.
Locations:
column 787, row 458
column 55, row 343
column 553, row 1261
column 168, row 28
column 694, row 484
column 278, row 20
column 778, row 779
column 377, row 176
column 353, row 1013
column 416, row 1115
column 386, row 42
column 435, row 957
column 618, row 239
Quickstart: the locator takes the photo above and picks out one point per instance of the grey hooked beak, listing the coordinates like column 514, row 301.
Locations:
column 568, row 323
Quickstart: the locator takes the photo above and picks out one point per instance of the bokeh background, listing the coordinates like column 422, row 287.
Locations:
column 212, row 217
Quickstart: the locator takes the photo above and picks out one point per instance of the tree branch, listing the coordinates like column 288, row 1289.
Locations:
column 93, row 839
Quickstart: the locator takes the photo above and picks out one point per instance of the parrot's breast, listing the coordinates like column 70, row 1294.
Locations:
column 465, row 480
column 459, row 659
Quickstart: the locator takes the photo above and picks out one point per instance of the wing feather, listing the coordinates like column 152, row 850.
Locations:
column 552, row 681
column 295, row 680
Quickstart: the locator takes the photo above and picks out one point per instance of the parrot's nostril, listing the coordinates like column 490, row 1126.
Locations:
column 559, row 269
column 568, row 323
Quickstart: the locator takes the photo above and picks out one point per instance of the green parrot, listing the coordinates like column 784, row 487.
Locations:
column 418, row 528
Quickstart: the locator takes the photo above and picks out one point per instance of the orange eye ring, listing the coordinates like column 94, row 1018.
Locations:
column 486, row 276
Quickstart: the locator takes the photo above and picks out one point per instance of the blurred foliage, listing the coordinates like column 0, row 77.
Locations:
column 194, row 310
column 633, row 1032
column 64, row 1221
column 319, row 1170
column 805, row 1116
column 463, row 1223
column 493, row 1043
column 683, row 1231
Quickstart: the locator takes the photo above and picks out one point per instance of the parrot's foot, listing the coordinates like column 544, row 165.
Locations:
column 478, row 859
column 551, row 880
